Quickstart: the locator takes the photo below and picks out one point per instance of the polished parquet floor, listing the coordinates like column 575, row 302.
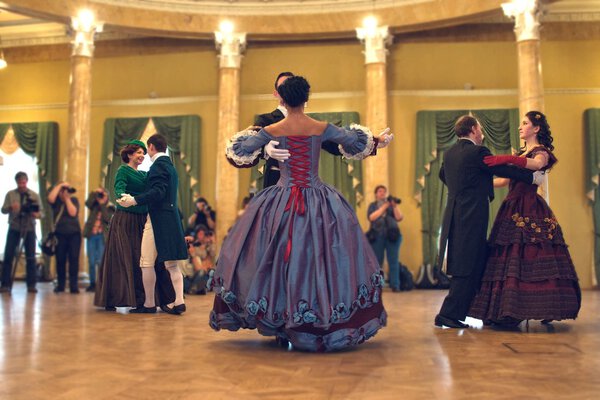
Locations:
column 61, row 347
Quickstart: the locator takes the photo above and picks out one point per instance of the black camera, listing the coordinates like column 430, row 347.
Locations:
column 393, row 199
column 69, row 189
column 99, row 195
column 29, row 206
column 196, row 244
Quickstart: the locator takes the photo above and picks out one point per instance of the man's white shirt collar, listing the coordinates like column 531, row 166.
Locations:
column 283, row 110
column 154, row 157
column 469, row 139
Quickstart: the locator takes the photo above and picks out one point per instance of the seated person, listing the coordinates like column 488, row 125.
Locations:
column 201, row 261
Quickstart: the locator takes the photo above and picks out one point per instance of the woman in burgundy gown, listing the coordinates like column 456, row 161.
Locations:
column 529, row 272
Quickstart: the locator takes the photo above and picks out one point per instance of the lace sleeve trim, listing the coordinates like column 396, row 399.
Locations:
column 236, row 139
column 370, row 143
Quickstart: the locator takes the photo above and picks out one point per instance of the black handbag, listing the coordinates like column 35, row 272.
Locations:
column 371, row 235
column 430, row 277
column 50, row 242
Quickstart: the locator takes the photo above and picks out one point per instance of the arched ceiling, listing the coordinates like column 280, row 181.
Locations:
column 34, row 22
column 274, row 18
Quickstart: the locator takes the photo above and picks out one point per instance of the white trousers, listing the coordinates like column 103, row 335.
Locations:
column 149, row 252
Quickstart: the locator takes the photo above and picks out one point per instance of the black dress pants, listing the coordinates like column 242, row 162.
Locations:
column 68, row 248
column 12, row 246
column 462, row 291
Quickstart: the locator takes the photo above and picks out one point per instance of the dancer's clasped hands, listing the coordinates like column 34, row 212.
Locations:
column 126, row 200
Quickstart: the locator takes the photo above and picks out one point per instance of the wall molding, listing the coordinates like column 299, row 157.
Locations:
column 314, row 96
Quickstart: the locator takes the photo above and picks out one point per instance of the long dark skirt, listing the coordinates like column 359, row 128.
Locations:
column 120, row 275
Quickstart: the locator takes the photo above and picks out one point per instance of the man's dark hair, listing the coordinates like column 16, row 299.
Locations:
column 158, row 141
column 201, row 200
column 289, row 74
column 128, row 150
column 464, row 125
column 294, row 91
column 21, row 175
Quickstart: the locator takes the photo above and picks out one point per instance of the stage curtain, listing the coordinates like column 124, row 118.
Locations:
column 591, row 120
column 3, row 130
column 435, row 134
column 40, row 139
column 501, row 136
column 183, row 135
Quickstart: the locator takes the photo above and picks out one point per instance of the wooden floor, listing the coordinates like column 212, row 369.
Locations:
column 60, row 347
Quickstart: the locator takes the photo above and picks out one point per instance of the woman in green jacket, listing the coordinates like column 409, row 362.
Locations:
column 120, row 276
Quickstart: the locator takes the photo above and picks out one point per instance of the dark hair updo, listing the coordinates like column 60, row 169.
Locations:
column 294, row 91
column 544, row 135
column 128, row 151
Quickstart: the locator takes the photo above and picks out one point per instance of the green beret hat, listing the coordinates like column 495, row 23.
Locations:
column 139, row 143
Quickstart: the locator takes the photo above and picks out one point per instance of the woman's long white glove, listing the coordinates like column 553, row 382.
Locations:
column 273, row 152
column 385, row 138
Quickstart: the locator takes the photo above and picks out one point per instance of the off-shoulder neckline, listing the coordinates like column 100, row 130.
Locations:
column 329, row 124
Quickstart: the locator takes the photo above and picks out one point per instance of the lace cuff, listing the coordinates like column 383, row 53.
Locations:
column 364, row 145
column 235, row 152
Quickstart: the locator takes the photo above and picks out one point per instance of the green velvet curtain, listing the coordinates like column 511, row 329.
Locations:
column 3, row 130
column 501, row 136
column 435, row 134
column 345, row 175
column 39, row 139
column 183, row 135
column 591, row 119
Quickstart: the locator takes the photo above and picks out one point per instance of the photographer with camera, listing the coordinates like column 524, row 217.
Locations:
column 202, row 259
column 95, row 230
column 23, row 207
column 68, row 233
column 384, row 233
column 204, row 215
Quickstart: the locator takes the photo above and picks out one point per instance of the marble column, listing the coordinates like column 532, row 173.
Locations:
column 80, row 102
column 231, row 46
column 375, row 169
column 526, row 14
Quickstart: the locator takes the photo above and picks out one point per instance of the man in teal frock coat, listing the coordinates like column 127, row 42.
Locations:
column 163, row 239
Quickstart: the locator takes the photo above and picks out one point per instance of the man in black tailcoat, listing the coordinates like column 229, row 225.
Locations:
column 464, row 228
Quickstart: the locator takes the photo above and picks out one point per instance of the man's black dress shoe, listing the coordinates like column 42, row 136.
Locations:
column 59, row 289
column 143, row 310
column 441, row 321
column 110, row 308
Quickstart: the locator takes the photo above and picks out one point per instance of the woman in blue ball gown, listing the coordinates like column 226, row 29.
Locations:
column 297, row 265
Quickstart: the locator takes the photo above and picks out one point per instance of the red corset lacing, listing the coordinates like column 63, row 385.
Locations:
column 299, row 164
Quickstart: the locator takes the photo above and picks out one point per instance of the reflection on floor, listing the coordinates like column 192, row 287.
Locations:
column 61, row 347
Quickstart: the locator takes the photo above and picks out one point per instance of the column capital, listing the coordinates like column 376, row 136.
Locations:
column 231, row 45
column 375, row 39
column 526, row 14
column 84, row 27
